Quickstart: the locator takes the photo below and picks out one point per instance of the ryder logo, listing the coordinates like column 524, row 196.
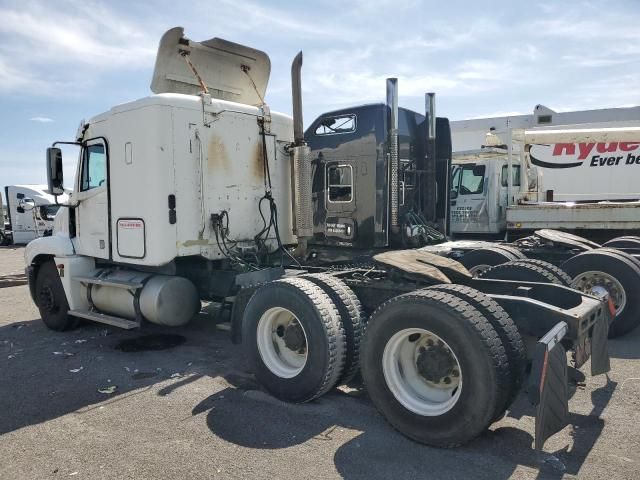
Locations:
column 594, row 154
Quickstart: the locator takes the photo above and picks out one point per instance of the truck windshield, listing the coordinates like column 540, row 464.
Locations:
column 472, row 179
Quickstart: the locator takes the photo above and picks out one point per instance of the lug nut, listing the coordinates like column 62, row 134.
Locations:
column 447, row 380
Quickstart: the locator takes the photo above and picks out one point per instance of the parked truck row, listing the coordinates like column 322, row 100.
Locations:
column 327, row 243
column 581, row 178
column 30, row 210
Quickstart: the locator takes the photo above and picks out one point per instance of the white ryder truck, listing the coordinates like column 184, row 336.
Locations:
column 582, row 180
column 199, row 191
column 30, row 213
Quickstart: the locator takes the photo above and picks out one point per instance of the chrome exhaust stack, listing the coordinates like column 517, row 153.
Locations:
column 300, row 153
column 296, row 95
column 392, row 121
column 431, row 194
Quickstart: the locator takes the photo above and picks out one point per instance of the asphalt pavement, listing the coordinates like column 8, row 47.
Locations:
column 101, row 403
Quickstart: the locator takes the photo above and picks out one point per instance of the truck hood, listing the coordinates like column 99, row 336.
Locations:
column 230, row 71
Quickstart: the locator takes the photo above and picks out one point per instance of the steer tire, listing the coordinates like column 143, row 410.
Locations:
column 506, row 329
column 621, row 267
column 352, row 316
column 325, row 339
column 623, row 242
column 484, row 368
column 478, row 260
column 563, row 276
column 51, row 299
column 522, row 272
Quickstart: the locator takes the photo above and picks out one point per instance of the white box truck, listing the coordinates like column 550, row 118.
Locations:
column 574, row 179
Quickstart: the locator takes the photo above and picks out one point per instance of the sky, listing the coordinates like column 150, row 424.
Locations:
column 65, row 60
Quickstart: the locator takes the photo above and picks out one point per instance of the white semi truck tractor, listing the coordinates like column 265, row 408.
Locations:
column 201, row 192
column 30, row 213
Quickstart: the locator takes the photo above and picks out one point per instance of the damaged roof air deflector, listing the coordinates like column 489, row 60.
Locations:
column 228, row 70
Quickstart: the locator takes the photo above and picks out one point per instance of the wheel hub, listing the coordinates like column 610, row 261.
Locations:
column 422, row 371
column 436, row 364
column 294, row 338
column 596, row 283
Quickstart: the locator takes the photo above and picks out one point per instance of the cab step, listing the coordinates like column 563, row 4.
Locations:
column 109, row 283
column 107, row 319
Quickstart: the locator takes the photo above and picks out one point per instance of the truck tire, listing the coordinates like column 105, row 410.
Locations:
column 294, row 339
column 351, row 315
column 4, row 240
column 622, row 254
column 619, row 275
column 555, row 270
column 481, row 259
column 628, row 241
column 515, row 252
column 413, row 344
column 51, row 299
column 522, row 272
column 507, row 331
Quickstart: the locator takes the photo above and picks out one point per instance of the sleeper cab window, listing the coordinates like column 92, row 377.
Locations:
column 339, row 183
column 336, row 125
column 94, row 167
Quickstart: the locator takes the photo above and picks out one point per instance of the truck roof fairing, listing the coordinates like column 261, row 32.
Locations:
column 230, row 71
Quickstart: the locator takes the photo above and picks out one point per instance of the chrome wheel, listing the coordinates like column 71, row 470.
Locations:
column 282, row 342
column 593, row 282
column 422, row 372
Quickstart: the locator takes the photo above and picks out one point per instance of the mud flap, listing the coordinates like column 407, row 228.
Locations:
column 548, row 384
column 600, row 345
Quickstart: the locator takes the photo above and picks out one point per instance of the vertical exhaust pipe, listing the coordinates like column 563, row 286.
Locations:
column 430, row 184
column 300, row 153
column 392, row 121
column 296, row 96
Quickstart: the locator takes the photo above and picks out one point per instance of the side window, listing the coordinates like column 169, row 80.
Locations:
column 472, row 179
column 515, row 171
column 94, row 167
column 337, row 124
column 340, row 183
column 455, row 178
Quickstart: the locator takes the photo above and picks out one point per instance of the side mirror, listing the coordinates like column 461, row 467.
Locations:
column 54, row 171
column 453, row 195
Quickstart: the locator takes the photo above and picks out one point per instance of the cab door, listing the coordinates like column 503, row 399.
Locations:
column 469, row 209
column 92, row 212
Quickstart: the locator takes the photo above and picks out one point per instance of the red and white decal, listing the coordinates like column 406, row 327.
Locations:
column 130, row 224
column 593, row 154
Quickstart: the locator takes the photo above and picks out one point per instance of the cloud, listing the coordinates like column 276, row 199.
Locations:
column 41, row 119
column 63, row 49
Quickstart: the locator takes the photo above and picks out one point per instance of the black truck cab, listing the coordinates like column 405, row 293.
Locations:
column 351, row 171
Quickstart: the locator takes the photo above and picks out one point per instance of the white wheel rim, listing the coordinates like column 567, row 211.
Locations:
column 593, row 281
column 406, row 382
column 279, row 358
column 476, row 270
